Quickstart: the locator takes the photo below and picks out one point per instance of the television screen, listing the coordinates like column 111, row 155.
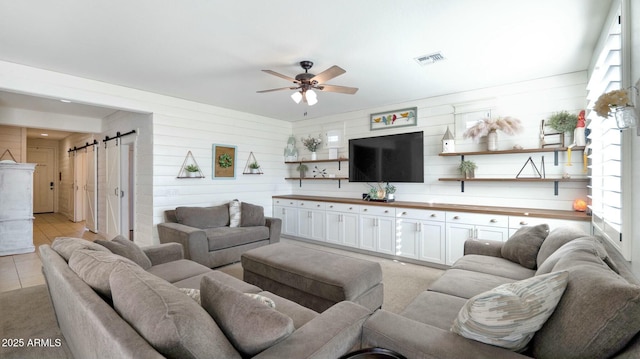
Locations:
column 392, row 158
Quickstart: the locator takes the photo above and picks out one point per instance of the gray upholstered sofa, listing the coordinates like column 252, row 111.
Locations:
column 108, row 306
column 209, row 237
column 598, row 315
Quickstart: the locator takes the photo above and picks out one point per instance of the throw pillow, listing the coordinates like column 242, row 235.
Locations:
column 94, row 268
column 596, row 318
column 192, row 293
column 523, row 246
column 509, row 315
column 126, row 248
column 235, row 213
column 250, row 325
column 556, row 239
column 195, row 295
column 65, row 246
column 252, row 215
column 203, row 217
column 175, row 325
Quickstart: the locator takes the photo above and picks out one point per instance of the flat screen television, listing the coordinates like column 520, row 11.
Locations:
column 392, row 158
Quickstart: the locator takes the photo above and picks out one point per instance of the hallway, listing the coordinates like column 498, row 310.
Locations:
column 24, row 270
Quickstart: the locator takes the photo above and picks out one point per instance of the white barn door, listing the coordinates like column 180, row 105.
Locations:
column 113, row 189
column 79, row 183
column 91, row 193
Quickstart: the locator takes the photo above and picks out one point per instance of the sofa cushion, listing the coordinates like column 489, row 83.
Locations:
column 585, row 249
column 65, row 246
column 556, row 239
column 203, row 217
column 252, row 215
column 493, row 265
column 508, row 316
column 126, row 248
column 234, row 213
column 176, row 271
column 466, row 284
column 435, row 309
column 249, row 324
column 597, row 316
column 174, row 324
column 523, row 246
column 227, row 237
column 94, row 268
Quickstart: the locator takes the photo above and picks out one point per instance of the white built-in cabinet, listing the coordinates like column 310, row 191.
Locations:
column 16, row 208
column 425, row 235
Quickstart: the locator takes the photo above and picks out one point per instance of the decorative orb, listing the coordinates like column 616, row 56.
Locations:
column 580, row 205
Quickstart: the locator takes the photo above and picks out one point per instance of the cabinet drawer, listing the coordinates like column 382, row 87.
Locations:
column 342, row 207
column 422, row 214
column 285, row 202
column 478, row 219
column 378, row 210
column 312, row 205
column 515, row 222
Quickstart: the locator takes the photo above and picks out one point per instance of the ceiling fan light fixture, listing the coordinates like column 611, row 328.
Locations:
column 311, row 97
column 296, row 96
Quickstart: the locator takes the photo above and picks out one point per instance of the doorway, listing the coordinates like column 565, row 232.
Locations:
column 120, row 188
column 43, row 178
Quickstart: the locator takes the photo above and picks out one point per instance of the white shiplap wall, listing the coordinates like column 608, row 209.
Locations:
column 529, row 101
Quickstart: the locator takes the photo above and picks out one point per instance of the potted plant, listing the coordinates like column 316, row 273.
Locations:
column 302, row 168
column 467, row 169
column 312, row 145
column 390, row 190
column 564, row 122
column 254, row 167
column 191, row 170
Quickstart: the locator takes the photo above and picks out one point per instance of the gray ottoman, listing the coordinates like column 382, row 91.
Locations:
column 313, row 278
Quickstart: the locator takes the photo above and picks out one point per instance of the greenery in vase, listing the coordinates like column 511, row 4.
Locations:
column 302, row 168
column 192, row 168
column 563, row 121
column 254, row 165
column 467, row 167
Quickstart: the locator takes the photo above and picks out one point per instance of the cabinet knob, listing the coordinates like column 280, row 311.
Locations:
column 350, row 208
column 318, row 205
column 456, row 217
column 331, row 206
column 404, row 213
column 493, row 220
column 302, row 204
column 387, row 211
column 290, row 202
column 523, row 223
column 365, row 210
column 433, row 215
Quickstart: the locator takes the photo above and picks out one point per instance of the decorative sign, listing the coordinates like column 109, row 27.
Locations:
column 397, row 118
column 224, row 162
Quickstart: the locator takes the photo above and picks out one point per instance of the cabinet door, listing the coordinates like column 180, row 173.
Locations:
column 317, row 225
column 304, row 223
column 457, row 234
column 368, row 232
column 386, row 235
column 290, row 221
column 350, row 229
column 408, row 238
column 432, row 242
column 334, row 227
column 492, row 233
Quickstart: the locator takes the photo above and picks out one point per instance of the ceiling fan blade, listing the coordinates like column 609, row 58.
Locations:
column 278, row 89
column 339, row 89
column 328, row 74
column 281, row 75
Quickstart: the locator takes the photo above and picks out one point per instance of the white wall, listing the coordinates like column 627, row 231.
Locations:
column 528, row 101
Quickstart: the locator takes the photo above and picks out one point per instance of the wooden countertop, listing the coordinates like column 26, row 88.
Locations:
column 509, row 211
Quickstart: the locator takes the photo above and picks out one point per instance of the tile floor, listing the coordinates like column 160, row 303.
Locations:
column 24, row 270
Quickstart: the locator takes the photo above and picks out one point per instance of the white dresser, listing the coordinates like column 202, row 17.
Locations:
column 16, row 208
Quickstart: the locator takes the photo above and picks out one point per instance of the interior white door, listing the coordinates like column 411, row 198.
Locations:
column 79, row 184
column 113, row 189
column 43, row 178
column 91, row 193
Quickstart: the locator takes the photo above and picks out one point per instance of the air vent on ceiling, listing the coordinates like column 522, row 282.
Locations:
column 430, row 58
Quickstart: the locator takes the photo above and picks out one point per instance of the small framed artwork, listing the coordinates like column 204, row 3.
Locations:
column 224, row 162
column 397, row 118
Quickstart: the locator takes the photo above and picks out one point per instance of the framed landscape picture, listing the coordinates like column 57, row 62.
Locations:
column 224, row 162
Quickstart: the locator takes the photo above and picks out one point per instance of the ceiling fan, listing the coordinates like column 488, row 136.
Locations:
column 306, row 83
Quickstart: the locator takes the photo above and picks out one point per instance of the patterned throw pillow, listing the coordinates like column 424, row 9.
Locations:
column 234, row 213
column 509, row 315
column 195, row 295
column 192, row 293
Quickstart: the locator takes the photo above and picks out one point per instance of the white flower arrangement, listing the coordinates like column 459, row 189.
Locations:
column 611, row 99
column 508, row 125
column 312, row 143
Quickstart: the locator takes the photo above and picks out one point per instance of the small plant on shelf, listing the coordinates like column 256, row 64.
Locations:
column 254, row 167
column 467, row 169
column 302, row 168
column 192, row 170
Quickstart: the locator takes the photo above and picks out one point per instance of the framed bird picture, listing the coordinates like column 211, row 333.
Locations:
column 397, row 118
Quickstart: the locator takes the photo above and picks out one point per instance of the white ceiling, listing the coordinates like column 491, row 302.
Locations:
column 212, row 51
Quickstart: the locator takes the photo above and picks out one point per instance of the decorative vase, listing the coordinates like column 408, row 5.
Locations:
column 302, row 174
column 470, row 174
column 568, row 138
column 190, row 174
column 492, row 141
column 314, row 156
column 625, row 117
